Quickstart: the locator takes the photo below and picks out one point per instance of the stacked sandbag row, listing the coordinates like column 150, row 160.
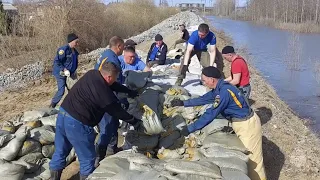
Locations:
column 27, row 145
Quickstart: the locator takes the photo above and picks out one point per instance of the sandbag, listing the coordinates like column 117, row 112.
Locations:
column 45, row 135
column 231, row 174
column 49, row 120
column 169, row 139
column 11, row 149
column 215, row 126
column 71, row 80
column 4, row 132
column 142, row 141
column 216, row 151
column 30, row 146
column 43, row 173
column 6, row 138
column 193, row 154
column 177, row 90
column 33, row 124
column 109, row 167
column 174, row 123
column 48, row 151
column 136, row 80
column 193, row 177
column 31, row 158
column 230, row 162
column 170, row 154
column 228, row 141
column 36, row 114
column 8, row 126
column 30, row 167
column 10, row 171
column 202, row 168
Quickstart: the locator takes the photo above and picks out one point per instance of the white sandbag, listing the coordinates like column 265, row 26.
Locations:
column 215, row 126
column 48, row 151
column 45, row 135
column 4, row 132
column 31, row 158
column 36, row 114
column 192, row 154
column 43, row 173
column 142, row 141
column 10, row 171
column 231, row 174
column 216, row 151
column 202, row 168
column 109, row 167
column 30, row 167
column 135, row 79
column 177, row 90
column 6, row 138
column 228, row 141
column 8, row 126
column 71, row 156
column 30, row 146
column 49, row 120
column 231, row 162
column 193, row 177
column 12, row 148
column 166, row 154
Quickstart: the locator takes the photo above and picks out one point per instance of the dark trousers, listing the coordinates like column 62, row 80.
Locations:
column 204, row 59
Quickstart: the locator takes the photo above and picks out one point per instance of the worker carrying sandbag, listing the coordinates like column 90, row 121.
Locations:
column 197, row 45
column 81, row 110
column 65, row 65
column 232, row 104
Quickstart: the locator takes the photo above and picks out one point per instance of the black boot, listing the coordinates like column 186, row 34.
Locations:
column 55, row 175
column 83, row 177
column 101, row 154
column 53, row 105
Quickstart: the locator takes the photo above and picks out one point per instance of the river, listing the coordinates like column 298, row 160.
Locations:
column 289, row 61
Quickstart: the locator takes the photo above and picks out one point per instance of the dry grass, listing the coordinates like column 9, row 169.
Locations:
column 91, row 20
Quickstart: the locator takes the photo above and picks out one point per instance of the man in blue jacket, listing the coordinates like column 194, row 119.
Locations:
column 197, row 45
column 229, row 101
column 158, row 52
column 109, row 125
column 65, row 65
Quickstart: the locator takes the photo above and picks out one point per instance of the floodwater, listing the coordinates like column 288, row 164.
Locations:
column 289, row 61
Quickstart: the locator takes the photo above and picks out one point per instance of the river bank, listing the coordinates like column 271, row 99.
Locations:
column 291, row 150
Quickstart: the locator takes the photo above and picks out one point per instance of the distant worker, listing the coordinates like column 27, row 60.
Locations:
column 197, row 45
column 108, row 126
column 185, row 36
column 157, row 54
column 65, row 65
column 130, row 60
column 81, row 110
column 230, row 102
column 240, row 75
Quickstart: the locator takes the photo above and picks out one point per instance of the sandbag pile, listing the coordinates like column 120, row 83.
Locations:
column 210, row 153
column 27, row 145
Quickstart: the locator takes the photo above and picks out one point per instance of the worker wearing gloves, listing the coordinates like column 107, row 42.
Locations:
column 108, row 126
column 197, row 45
column 231, row 103
column 65, row 65
column 185, row 36
column 240, row 76
column 81, row 110
column 157, row 54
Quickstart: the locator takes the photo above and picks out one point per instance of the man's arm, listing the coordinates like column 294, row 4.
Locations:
column 115, row 110
column 187, row 54
column 163, row 55
column 212, row 52
column 236, row 79
column 202, row 100
column 117, row 87
column 61, row 54
column 209, row 115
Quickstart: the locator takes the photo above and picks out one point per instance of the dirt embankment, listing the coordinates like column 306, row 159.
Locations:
column 291, row 150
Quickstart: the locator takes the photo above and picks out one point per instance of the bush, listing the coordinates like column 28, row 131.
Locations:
column 94, row 22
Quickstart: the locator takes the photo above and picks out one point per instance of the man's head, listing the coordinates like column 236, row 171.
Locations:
column 182, row 27
column 228, row 53
column 129, row 55
column 131, row 43
column 109, row 72
column 210, row 77
column 116, row 44
column 203, row 30
column 73, row 40
column 159, row 40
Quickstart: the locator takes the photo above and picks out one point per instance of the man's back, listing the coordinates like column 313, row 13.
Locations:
column 239, row 65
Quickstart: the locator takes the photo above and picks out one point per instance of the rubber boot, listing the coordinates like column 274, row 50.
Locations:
column 55, row 175
column 83, row 177
column 179, row 82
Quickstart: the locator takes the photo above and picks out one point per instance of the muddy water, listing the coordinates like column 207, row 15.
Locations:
column 287, row 60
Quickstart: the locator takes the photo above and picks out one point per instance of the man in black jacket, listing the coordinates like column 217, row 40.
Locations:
column 82, row 109
column 158, row 52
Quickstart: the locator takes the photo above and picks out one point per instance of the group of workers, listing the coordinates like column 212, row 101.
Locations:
column 94, row 101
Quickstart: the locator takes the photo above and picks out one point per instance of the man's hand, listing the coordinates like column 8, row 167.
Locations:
column 176, row 102
column 67, row 73
column 132, row 94
column 184, row 131
column 185, row 68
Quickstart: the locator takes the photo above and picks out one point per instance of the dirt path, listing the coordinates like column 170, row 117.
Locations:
column 291, row 151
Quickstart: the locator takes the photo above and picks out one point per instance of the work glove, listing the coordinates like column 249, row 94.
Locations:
column 184, row 131
column 67, row 73
column 176, row 102
column 184, row 69
column 215, row 65
column 132, row 94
